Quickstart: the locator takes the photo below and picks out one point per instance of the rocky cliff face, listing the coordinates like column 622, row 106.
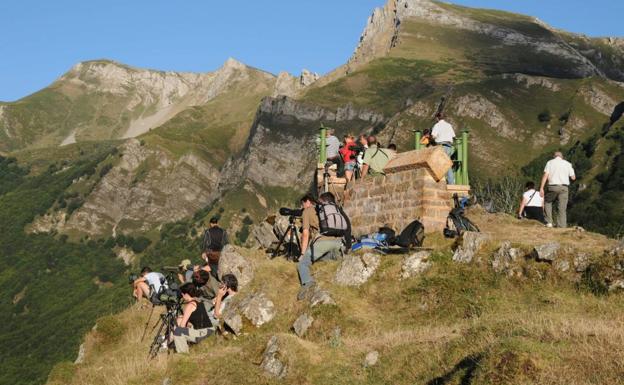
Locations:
column 281, row 149
column 147, row 187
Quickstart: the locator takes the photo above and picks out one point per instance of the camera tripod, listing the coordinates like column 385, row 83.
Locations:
column 292, row 246
column 167, row 325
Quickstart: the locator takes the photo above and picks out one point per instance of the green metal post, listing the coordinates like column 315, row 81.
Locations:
column 464, row 164
column 417, row 138
column 459, row 156
column 323, row 144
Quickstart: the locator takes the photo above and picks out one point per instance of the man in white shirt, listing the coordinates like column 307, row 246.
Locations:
column 148, row 285
column 558, row 173
column 444, row 135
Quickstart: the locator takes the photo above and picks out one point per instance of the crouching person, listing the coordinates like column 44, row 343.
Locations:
column 194, row 324
column 148, row 285
column 324, row 227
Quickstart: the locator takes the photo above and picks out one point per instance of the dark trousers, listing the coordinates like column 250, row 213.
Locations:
column 340, row 163
column 536, row 213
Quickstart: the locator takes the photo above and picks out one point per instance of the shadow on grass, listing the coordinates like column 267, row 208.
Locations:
column 467, row 366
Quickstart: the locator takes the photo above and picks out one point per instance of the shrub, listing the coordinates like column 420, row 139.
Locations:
column 544, row 116
column 499, row 195
column 140, row 244
column 110, row 329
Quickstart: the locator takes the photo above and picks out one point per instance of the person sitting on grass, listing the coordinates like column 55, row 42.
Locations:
column 532, row 204
column 227, row 290
column 194, row 324
column 148, row 285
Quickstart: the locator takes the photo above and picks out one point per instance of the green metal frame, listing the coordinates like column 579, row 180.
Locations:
column 323, row 144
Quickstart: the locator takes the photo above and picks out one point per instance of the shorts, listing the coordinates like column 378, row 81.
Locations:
column 350, row 166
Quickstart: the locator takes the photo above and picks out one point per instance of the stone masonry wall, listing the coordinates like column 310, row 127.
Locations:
column 398, row 198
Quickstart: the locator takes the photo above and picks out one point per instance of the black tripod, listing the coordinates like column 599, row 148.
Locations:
column 167, row 326
column 292, row 246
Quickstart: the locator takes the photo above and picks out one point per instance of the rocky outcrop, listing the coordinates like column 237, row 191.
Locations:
column 281, row 149
column 415, row 264
column 272, row 362
column 371, row 359
column 529, row 81
column 145, row 188
column 257, row 308
column 302, row 324
column 547, row 252
column 232, row 262
column 356, row 269
column 289, row 85
column 478, row 107
column 471, row 244
column 598, row 99
column 505, row 258
column 320, row 297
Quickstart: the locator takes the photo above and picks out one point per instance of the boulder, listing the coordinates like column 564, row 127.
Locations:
column 321, row 297
column 233, row 320
column 504, row 258
column 471, row 243
column 547, row 252
column 257, row 308
column 271, row 363
column 302, row 324
column 415, row 264
column 561, row 265
column 371, row 359
column 581, row 262
column 231, row 262
column 356, row 269
column 263, row 235
column 618, row 284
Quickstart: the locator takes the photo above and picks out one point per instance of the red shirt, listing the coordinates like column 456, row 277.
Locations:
column 348, row 155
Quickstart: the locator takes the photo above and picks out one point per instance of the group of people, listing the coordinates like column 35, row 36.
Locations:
column 554, row 187
column 204, row 293
column 362, row 156
column 358, row 157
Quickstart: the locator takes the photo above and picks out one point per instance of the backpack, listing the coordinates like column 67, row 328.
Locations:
column 412, row 235
column 217, row 243
column 457, row 223
column 333, row 222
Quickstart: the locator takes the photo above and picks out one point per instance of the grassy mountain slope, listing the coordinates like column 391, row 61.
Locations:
column 454, row 324
column 52, row 289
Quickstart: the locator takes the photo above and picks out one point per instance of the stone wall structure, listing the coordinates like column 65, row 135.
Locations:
column 414, row 187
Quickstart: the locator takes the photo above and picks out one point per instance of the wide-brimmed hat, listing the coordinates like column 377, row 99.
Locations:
column 184, row 263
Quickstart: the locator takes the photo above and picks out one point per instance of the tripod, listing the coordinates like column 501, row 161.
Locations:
column 292, row 246
column 167, row 326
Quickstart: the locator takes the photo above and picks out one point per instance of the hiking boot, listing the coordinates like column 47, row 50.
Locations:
column 305, row 291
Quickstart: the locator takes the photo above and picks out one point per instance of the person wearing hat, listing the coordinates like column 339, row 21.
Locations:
column 215, row 238
column 185, row 269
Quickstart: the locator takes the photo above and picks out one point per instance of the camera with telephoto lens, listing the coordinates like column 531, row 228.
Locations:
column 285, row 211
column 357, row 148
column 170, row 294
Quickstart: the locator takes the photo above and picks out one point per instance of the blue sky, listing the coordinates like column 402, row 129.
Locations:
column 40, row 40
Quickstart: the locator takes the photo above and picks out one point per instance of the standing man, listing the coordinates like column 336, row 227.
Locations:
column 314, row 246
column 215, row 238
column 333, row 152
column 443, row 134
column 558, row 173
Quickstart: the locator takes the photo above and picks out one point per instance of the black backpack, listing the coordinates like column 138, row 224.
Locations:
column 215, row 241
column 334, row 222
column 412, row 235
column 457, row 223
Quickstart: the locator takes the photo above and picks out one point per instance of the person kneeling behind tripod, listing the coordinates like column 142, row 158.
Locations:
column 148, row 285
column 195, row 314
column 314, row 245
